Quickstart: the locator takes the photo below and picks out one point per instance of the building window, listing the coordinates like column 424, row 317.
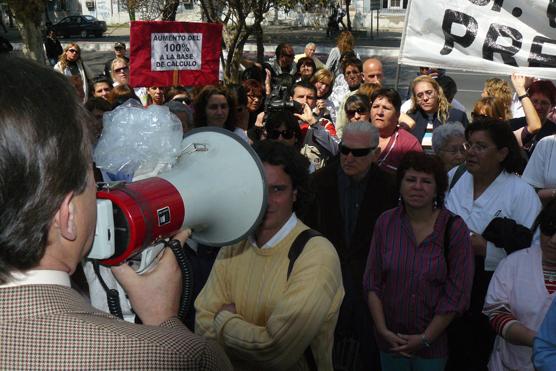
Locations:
column 394, row 4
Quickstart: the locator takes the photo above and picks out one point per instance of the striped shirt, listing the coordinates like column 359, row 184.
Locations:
column 414, row 282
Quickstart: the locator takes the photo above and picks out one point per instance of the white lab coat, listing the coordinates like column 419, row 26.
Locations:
column 518, row 284
column 541, row 168
column 508, row 196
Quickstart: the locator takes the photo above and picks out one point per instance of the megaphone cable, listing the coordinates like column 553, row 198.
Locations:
column 187, row 277
column 112, row 295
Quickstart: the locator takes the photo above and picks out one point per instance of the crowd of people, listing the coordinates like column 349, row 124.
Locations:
column 397, row 235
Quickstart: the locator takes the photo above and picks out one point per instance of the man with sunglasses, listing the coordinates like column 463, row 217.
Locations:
column 351, row 192
column 119, row 52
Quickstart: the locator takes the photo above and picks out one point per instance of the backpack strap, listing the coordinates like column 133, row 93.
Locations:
column 459, row 172
column 298, row 245
column 295, row 250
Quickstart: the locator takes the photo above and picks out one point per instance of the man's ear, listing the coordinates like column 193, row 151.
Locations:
column 65, row 218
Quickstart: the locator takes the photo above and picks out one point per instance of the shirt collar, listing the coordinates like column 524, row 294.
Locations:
column 39, row 277
column 279, row 236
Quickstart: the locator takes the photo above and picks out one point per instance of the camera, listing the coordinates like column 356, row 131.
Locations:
column 279, row 100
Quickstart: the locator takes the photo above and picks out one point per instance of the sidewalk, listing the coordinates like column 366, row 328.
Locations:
column 386, row 44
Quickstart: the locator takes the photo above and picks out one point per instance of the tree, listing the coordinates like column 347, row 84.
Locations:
column 233, row 14
column 28, row 15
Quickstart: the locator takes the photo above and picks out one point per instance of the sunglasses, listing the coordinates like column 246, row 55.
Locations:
column 352, row 112
column 275, row 134
column 73, row 51
column 356, row 152
column 119, row 70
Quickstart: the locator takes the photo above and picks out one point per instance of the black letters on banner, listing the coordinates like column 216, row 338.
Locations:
column 537, row 58
column 491, row 46
column 451, row 17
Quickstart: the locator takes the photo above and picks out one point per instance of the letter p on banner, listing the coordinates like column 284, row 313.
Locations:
column 174, row 53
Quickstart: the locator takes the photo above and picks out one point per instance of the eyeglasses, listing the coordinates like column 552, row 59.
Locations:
column 356, row 152
column 479, row 147
column 423, row 94
column 122, row 69
column 454, row 150
column 73, row 51
column 275, row 134
column 352, row 112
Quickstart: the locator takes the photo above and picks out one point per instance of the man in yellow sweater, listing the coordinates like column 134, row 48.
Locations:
column 263, row 318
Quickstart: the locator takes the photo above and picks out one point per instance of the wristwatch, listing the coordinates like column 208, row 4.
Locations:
column 425, row 341
column 523, row 96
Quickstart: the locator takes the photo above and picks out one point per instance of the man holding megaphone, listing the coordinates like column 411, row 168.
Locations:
column 47, row 224
column 273, row 299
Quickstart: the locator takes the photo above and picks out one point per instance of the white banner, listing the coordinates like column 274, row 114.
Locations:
column 492, row 36
column 176, row 51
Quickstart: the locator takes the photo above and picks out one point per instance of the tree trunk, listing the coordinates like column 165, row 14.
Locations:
column 258, row 30
column 131, row 9
column 32, row 40
column 235, row 40
column 348, row 3
column 28, row 18
column 170, row 9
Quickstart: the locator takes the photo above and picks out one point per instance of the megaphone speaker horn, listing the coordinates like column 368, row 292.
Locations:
column 217, row 188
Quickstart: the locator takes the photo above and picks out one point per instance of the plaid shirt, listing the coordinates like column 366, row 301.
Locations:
column 45, row 327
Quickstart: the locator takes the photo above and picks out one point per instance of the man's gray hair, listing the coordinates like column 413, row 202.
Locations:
column 445, row 132
column 311, row 44
column 363, row 127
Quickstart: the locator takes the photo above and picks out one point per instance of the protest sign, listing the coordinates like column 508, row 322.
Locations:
column 491, row 36
column 174, row 53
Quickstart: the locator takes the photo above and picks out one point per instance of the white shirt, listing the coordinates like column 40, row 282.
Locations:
column 279, row 236
column 39, row 277
column 541, row 168
column 518, row 284
column 507, row 196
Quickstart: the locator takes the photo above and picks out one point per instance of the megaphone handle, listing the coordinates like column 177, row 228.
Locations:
column 187, row 277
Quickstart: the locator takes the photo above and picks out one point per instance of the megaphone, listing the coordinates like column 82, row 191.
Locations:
column 217, row 188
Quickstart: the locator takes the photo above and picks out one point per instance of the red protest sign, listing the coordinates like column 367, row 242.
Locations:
column 174, row 53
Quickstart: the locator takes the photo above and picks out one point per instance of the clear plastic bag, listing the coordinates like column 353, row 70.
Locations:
column 138, row 142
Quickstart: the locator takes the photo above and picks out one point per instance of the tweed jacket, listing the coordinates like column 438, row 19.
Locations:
column 46, row 327
column 325, row 215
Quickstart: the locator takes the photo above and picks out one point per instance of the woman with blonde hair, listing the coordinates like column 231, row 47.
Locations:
column 490, row 107
column 323, row 80
column 344, row 43
column 430, row 109
column 70, row 64
column 501, row 90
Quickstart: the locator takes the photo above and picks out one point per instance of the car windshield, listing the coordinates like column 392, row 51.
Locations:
column 89, row 18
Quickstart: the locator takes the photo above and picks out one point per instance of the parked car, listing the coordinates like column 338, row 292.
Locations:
column 82, row 25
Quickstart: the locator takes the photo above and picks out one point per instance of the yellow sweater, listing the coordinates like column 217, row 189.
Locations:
column 276, row 319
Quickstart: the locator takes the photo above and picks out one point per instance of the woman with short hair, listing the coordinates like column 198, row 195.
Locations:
column 497, row 206
column 419, row 269
column 447, row 143
column 323, row 80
